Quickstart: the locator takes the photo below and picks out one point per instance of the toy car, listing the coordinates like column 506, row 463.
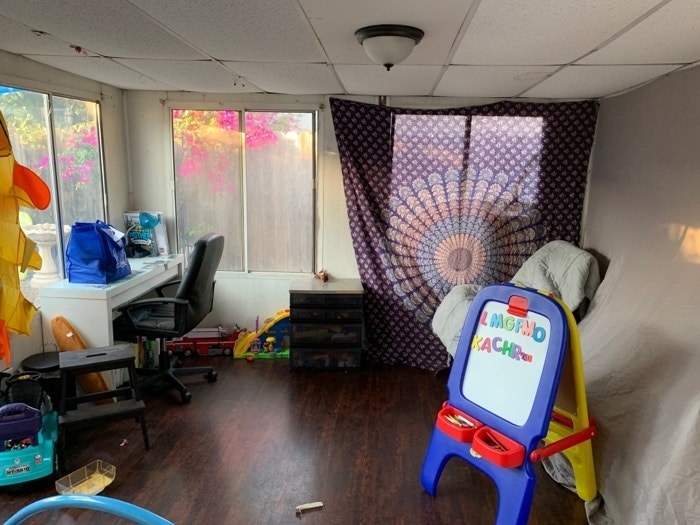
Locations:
column 28, row 432
column 205, row 342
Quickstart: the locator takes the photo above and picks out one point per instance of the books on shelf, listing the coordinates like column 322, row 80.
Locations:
column 146, row 235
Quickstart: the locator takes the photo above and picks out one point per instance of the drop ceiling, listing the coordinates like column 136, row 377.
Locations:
column 559, row 49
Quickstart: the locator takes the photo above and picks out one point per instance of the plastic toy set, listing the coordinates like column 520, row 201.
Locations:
column 271, row 340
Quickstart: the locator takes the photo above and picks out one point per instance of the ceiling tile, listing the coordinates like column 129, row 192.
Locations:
column 401, row 80
column 513, row 32
column 103, row 70
column 595, row 81
column 490, row 81
column 16, row 37
column 240, row 30
column 293, row 79
column 112, row 28
column 671, row 35
column 204, row 76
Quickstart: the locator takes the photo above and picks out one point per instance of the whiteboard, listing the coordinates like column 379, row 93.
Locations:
column 505, row 363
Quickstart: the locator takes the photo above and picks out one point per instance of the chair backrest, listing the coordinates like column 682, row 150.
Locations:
column 197, row 285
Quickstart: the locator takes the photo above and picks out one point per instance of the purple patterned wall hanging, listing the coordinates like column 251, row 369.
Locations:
column 455, row 196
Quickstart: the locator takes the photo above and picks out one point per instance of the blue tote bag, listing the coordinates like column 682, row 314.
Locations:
column 96, row 254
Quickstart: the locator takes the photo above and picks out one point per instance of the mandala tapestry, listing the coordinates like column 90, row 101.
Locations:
column 457, row 196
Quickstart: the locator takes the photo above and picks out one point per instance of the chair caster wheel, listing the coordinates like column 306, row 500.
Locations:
column 211, row 376
column 186, row 396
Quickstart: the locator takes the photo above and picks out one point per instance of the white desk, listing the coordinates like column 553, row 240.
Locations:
column 89, row 307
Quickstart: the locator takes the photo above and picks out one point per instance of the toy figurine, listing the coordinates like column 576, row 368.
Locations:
column 269, row 345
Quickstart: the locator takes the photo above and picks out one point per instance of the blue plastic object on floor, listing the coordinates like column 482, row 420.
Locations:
column 104, row 504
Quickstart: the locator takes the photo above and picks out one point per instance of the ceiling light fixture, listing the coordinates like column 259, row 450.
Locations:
column 388, row 44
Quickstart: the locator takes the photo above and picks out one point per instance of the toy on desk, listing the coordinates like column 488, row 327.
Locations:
column 145, row 235
column 508, row 372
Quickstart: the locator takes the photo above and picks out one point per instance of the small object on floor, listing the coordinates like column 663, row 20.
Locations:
column 249, row 358
column 124, row 443
column 316, row 505
column 90, row 479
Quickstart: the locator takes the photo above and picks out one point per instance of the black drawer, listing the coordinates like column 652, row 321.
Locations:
column 325, row 334
column 307, row 299
column 323, row 300
column 319, row 358
column 326, row 314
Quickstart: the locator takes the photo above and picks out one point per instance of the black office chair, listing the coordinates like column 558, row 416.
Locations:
column 165, row 317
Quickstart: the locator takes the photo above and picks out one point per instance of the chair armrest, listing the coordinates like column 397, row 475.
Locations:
column 173, row 282
column 152, row 302
column 179, row 315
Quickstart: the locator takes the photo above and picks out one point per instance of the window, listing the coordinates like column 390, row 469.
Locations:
column 249, row 175
column 59, row 139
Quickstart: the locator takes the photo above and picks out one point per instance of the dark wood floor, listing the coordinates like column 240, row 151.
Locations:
column 261, row 440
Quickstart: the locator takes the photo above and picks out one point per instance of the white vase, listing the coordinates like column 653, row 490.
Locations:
column 44, row 236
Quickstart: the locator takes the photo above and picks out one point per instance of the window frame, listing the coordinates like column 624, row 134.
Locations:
column 56, row 204
column 242, row 108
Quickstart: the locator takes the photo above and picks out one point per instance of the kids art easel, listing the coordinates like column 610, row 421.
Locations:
column 517, row 380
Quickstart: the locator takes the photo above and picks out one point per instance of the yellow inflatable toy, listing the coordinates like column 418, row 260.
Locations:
column 19, row 186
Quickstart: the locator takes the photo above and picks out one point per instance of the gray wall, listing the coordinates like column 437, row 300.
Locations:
column 643, row 212
column 646, row 169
